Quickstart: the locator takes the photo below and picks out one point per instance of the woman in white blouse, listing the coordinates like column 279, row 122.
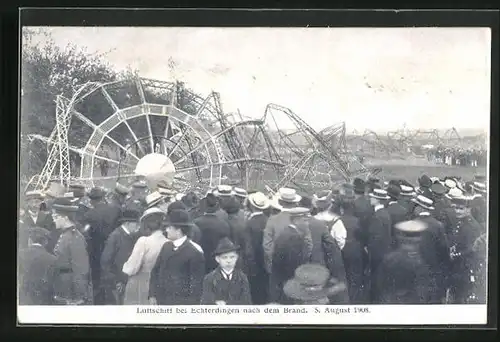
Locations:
column 140, row 263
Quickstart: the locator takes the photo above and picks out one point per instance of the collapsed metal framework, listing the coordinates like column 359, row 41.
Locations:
column 121, row 122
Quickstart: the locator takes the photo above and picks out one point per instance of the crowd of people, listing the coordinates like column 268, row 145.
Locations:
column 365, row 242
column 458, row 156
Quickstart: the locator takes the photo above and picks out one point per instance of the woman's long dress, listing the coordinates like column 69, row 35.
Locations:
column 139, row 266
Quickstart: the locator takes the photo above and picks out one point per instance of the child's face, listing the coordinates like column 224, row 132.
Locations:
column 227, row 260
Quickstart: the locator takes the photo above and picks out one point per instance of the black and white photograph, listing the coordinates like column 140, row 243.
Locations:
column 259, row 175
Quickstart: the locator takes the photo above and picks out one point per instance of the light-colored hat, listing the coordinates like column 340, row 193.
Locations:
column 274, row 203
column 407, row 190
column 154, row 198
column 165, row 191
column 413, row 227
column 259, row 200
column 288, row 195
column 298, row 211
column 454, row 193
column 151, row 211
column 424, row 202
column 379, row 194
column 479, row 187
column 69, row 194
column 450, row 183
column 55, row 190
column 224, row 190
column 240, row 192
column 179, row 196
column 34, row 195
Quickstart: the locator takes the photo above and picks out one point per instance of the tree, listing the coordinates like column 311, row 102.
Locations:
column 48, row 71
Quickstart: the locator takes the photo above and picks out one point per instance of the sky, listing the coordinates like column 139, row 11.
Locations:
column 370, row 78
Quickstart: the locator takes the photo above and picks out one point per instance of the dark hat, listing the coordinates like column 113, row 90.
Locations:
column 38, row 233
column 31, row 195
column 424, row 202
column 479, row 187
column 178, row 218
column 211, row 200
column 312, row 282
column 131, row 213
column 411, row 228
column 460, row 201
column 359, row 185
column 225, row 246
column 424, row 181
column 65, row 205
column 121, row 189
column 177, row 205
column 307, row 202
column 346, row 193
column 373, row 180
column 393, row 190
column 322, row 200
column 96, row 193
column 395, row 182
column 190, row 200
column 438, row 189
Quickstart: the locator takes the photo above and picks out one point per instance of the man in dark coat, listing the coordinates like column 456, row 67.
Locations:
column 213, row 229
column 405, row 198
column 290, row 250
column 462, row 238
column 117, row 250
column 403, row 276
column 478, row 202
column 397, row 212
column 379, row 234
column 363, row 209
column 255, row 225
column 35, row 213
column 100, row 221
column 353, row 252
column 434, row 249
column 73, row 283
column 177, row 277
column 224, row 193
column 138, row 194
column 226, row 285
column 37, row 269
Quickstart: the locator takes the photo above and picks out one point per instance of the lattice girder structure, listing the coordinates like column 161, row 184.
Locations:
column 111, row 126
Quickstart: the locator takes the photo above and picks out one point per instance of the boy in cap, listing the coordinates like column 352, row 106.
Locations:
column 72, row 285
column 36, row 270
column 226, row 285
column 117, row 250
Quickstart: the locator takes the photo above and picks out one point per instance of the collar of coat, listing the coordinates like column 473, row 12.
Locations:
column 424, row 213
column 378, row 207
column 255, row 213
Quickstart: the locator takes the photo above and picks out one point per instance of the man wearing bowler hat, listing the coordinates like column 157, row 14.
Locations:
column 177, row 277
column 33, row 214
column 226, row 285
column 73, row 283
column 117, row 250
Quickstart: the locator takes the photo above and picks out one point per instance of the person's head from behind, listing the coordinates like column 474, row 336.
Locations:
column 130, row 218
column 178, row 224
column 38, row 236
column 63, row 212
column 152, row 220
column 226, row 254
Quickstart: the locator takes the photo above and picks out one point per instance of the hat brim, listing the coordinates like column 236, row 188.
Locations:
column 226, row 250
column 295, row 290
column 379, row 197
column 145, row 216
column 223, row 194
column 290, row 200
column 428, row 207
column 155, row 202
column 408, row 194
column 264, row 207
column 478, row 189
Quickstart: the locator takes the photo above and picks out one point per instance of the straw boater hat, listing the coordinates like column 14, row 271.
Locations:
column 479, row 187
column 179, row 196
column 424, row 202
column 55, row 190
column 154, row 198
column 152, row 211
column 288, row 195
column 454, row 193
column 413, row 228
column 312, row 282
column 65, row 205
column 407, row 190
column 223, row 190
column 450, row 183
column 379, row 194
column 225, row 246
column 34, row 195
column 259, row 200
column 239, row 192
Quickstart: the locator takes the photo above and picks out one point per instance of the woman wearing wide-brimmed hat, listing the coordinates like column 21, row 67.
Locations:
column 312, row 285
column 140, row 263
